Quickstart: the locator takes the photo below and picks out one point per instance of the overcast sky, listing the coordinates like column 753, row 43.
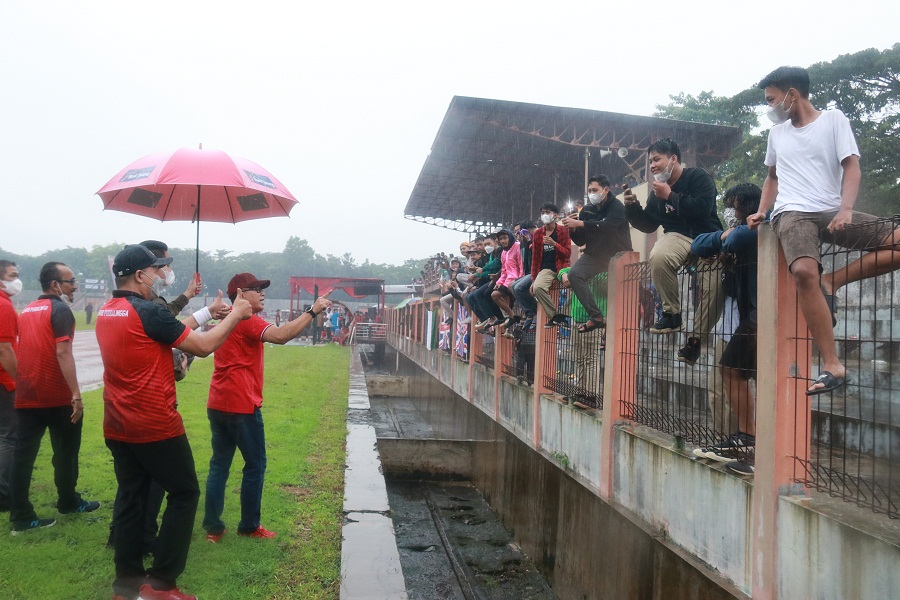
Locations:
column 342, row 100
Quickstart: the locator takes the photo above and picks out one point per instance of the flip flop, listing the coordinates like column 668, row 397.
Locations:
column 592, row 324
column 829, row 382
column 831, row 301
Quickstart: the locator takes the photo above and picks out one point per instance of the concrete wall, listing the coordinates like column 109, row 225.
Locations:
column 693, row 511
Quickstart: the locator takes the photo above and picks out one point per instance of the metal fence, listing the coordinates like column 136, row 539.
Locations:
column 853, row 433
column 521, row 362
column 573, row 362
column 680, row 386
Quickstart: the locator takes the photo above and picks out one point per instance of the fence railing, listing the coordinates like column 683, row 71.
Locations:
column 845, row 443
column 853, row 433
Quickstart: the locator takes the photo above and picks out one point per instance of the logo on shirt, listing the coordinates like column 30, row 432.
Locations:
column 32, row 309
column 113, row 313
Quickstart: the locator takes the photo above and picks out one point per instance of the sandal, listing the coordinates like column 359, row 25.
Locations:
column 829, row 383
column 592, row 324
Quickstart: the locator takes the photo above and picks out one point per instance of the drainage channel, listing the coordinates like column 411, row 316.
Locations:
column 452, row 546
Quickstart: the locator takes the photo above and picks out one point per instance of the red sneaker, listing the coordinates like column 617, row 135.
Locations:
column 261, row 532
column 148, row 593
column 213, row 538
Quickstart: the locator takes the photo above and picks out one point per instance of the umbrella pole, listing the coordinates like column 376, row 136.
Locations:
column 197, row 249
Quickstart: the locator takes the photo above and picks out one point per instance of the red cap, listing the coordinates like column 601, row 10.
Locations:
column 245, row 281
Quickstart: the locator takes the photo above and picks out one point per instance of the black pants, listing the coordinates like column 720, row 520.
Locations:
column 151, row 518
column 7, row 444
column 65, row 437
column 169, row 463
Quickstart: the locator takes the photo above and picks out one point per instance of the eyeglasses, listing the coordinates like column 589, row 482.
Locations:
column 72, row 281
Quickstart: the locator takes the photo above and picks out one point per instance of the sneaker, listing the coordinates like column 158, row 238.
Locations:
column 561, row 320
column 728, row 450
column 148, row 593
column 261, row 532
column 23, row 526
column 528, row 324
column 84, row 506
column 667, row 324
column 741, row 467
column 690, row 352
column 213, row 538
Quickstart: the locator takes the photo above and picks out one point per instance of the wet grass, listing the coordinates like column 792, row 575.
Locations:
column 304, row 411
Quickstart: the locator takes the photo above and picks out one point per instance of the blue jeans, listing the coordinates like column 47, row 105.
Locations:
column 246, row 433
column 526, row 301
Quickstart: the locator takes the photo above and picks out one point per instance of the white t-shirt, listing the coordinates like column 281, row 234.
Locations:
column 808, row 162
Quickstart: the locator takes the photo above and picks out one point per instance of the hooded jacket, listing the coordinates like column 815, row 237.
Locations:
column 510, row 261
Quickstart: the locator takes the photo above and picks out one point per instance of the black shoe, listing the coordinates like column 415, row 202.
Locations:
column 23, row 526
column 561, row 320
column 690, row 352
column 741, row 467
column 667, row 324
column 83, row 506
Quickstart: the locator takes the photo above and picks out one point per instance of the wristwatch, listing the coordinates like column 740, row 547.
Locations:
column 311, row 312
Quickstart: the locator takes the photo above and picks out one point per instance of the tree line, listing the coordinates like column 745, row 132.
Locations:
column 297, row 259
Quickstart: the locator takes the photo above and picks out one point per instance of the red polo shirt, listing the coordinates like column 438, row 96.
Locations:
column 136, row 338
column 9, row 332
column 237, row 380
column 42, row 325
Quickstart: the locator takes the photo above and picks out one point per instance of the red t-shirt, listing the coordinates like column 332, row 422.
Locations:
column 42, row 325
column 237, row 380
column 9, row 333
column 136, row 338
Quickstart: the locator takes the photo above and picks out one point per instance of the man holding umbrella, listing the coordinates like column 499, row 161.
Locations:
column 141, row 424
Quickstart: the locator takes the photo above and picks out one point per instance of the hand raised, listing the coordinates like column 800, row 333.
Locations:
column 241, row 306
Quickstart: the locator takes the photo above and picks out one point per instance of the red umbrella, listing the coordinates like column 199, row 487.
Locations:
column 197, row 185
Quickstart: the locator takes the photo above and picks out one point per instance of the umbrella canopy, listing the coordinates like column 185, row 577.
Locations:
column 197, row 185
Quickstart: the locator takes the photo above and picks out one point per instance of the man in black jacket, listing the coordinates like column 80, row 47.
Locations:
column 682, row 201
column 602, row 228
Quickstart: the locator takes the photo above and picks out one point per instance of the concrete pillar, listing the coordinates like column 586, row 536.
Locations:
column 541, row 336
column 782, row 407
column 503, row 348
column 474, row 350
column 622, row 326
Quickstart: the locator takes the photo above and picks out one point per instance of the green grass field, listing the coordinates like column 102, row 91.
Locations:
column 304, row 411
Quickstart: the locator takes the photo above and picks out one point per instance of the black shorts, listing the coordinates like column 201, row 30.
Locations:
column 740, row 353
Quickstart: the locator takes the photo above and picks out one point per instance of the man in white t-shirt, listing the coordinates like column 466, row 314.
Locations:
column 813, row 181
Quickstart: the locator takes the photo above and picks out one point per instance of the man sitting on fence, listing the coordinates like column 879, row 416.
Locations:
column 551, row 248
column 602, row 228
column 813, row 181
column 683, row 202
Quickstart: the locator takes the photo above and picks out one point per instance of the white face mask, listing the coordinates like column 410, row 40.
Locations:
column 170, row 277
column 489, row 249
column 12, row 287
column 595, row 198
column 731, row 219
column 779, row 114
column 546, row 219
column 664, row 176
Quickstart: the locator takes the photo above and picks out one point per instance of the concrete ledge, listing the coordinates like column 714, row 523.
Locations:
column 370, row 561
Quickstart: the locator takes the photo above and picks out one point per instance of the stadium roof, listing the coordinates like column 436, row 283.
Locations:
column 495, row 161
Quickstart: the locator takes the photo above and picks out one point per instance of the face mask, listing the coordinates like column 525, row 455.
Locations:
column 170, row 277
column 595, row 198
column 546, row 219
column 157, row 283
column 489, row 249
column 12, row 287
column 779, row 114
column 65, row 297
column 731, row 219
column 665, row 175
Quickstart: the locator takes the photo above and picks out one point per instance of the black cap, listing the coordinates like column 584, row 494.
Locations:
column 135, row 257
